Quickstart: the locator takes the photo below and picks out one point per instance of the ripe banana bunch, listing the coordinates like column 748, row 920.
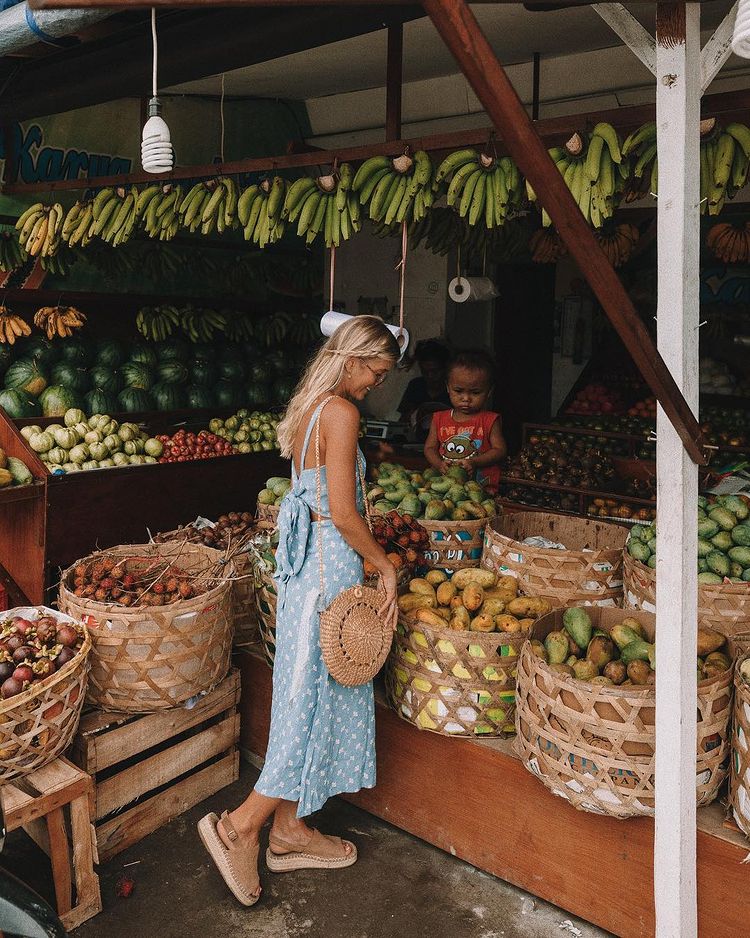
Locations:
column 199, row 325
column 324, row 204
column 593, row 170
column 483, row 189
column 159, row 205
column 730, row 243
column 59, row 321
column 725, row 159
column 156, row 323
column 12, row 254
column 12, row 326
column 618, row 241
column 40, row 229
column 546, row 246
column 640, row 146
column 259, row 211
column 239, row 327
column 395, row 190
column 210, row 206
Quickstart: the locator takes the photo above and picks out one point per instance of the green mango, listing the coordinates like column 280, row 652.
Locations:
column 434, row 510
column 735, row 571
column 651, row 562
column 557, row 647
column 410, row 505
column 600, row 651
column 578, row 625
column 724, row 518
column 707, row 528
column 737, row 506
column 623, row 635
column 458, row 473
column 638, row 550
column 704, row 547
column 585, row 670
column 709, row 578
column 636, row 651
column 718, row 563
column 441, row 486
column 741, row 535
column 722, row 541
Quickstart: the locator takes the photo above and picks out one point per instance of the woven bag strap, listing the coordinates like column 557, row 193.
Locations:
column 318, row 486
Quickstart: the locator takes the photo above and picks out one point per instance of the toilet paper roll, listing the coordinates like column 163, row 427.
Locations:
column 332, row 320
column 472, row 289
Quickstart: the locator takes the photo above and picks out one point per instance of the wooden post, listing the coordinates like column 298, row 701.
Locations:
column 394, row 81
column 461, row 33
column 677, row 118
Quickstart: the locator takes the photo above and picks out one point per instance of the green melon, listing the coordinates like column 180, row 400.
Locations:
column 26, row 375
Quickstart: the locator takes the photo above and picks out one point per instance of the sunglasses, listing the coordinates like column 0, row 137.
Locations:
column 378, row 376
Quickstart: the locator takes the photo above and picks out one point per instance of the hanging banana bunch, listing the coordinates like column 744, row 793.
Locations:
column 593, row 170
column 483, row 188
column 12, row 326
column 40, row 228
column 391, row 187
column 60, row 263
column 210, row 206
column 546, row 246
column 157, row 323
column 239, row 327
column 159, row 206
column 59, row 321
column 618, row 241
column 730, row 242
column 259, row 211
column 725, row 157
column 12, row 254
column 324, row 204
column 113, row 215
column 643, row 177
column 199, row 325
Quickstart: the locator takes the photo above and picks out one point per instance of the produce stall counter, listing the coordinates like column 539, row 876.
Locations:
column 475, row 800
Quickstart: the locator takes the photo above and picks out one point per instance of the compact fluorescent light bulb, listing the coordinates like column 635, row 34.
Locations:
column 157, row 154
column 741, row 34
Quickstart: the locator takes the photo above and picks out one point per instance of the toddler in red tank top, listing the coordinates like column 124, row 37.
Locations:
column 468, row 435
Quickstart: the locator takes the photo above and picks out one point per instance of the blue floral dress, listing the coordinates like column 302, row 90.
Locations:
column 322, row 738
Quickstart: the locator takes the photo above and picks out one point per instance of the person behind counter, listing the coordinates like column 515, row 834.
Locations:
column 468, row 435
column 429, row 388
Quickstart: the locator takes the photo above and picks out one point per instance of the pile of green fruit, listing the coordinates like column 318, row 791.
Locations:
column 434, row 496
column 723, row 541
column 96, row 442
column 274, row 492
column 249, row 431
column 13, row 471
column 621, row 656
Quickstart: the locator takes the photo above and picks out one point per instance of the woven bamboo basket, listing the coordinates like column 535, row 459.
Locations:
column 265, row 602
column 724, row 607
column 149, row 658
column 739, row 789
column 40, row 723
column 594, row 745
column 454, row 544
column 453, row 683
column 588, row 572
column 268, row 513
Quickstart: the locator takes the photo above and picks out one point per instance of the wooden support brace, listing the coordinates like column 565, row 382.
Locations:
column 461, row 32
column 636, row 37
column 718, row 49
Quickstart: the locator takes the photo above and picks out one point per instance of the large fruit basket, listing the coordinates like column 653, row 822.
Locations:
column 587, row 572
column 264, row 567
column 39, row 723
column 739, row 788
column 269, row 513
column 724, row 607
column 595, row 745
column 454, row 545
column 148, row 658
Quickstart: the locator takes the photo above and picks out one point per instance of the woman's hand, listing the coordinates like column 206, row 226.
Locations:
column 389, row 609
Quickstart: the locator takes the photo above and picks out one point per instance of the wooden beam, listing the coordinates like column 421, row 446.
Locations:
column 718, row 49
column 461, row 32
column 638, row 39
column 216, row 4
column 555, row 130
column 678, row 253
column 394, row 81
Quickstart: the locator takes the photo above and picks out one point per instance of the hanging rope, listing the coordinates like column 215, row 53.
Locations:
column 221, row 112
column 402, row 265
column 332, row 267
column 156, row 50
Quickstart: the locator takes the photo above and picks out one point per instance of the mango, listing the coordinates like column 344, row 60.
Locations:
column 431, row 618
column 410, row 602
column 615, row 671
column 457, row 601
column 719, row 658
column 526, row 624
column 473, row 596
column 6, row 478
column 571, row 660
column 507, row 623
column 636, row 626
column 418, row 585
column 709, row 640
column 600, row 679
column 578, row 625
column 538, row 649
column 482, row 623
column 436, row 577
column 484, row 578
column 638, row 672
column 493, row 607
column 528, row 606
column 460, row 618
column 508, row 583
column 445, row 593
column 558, row 649
column 562, row 669
column 600, row 651
column 634, row 651
column 585, row 670
column 623, row 635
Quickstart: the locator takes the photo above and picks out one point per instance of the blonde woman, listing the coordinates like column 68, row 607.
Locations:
column 322, row 739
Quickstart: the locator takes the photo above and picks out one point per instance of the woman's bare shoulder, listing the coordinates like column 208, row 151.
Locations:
column 340, row 412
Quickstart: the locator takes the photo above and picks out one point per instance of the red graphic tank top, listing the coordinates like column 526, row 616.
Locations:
column 463, row 439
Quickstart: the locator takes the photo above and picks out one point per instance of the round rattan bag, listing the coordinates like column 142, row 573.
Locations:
column 354, row 638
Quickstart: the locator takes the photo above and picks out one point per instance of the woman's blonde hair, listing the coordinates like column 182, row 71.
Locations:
column 360, row 337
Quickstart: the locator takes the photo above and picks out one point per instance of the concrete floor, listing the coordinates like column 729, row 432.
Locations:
column 399, row 887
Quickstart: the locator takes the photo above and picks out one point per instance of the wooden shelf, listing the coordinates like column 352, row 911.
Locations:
column 21, row 493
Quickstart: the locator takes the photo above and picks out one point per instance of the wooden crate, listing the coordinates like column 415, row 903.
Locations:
column 148, row 769
column 38, row 802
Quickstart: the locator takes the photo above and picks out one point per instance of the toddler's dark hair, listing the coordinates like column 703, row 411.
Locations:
column 474, row 360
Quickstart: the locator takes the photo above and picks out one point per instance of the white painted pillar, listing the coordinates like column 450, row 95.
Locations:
column 677, row 116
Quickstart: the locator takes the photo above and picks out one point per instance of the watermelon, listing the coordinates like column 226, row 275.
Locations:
column 204, row 353
column 168, row 396
column 199, row 397
column 110, row 353
column 233, row 371
column 132, row 400
column 257, row 394
column 228, row 394
column 57, row 399
column 99, row 401
column 282, row 391
column 174, row 350
column 260, row 372
column 77, row 351
column 107, row 379
column 18, row 405
column 172, row 373
column 70, row 376
column 41, row 350
column 144, row 354
column 231, row 353
column 205, row 374
column 26, row 375
column 137, row 375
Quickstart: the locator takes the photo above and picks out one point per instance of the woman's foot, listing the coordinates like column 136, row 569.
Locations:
column 308, row 849
column 296, row 838
column 235, row 856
